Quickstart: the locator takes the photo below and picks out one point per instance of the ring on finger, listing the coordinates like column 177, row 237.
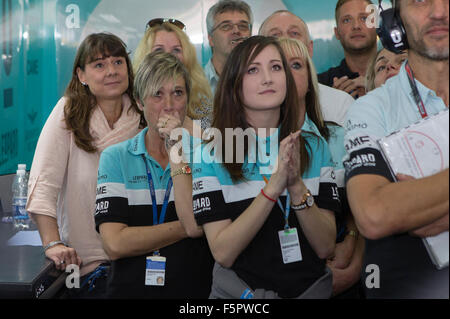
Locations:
column 62, row 262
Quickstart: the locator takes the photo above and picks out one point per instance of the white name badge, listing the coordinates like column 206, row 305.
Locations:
column 290, row 246
column 155, row 271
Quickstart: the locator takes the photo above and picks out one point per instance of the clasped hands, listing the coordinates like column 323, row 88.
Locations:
column 354, row 87
column 287, row 172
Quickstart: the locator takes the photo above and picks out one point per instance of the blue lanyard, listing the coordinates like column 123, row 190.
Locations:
column 153, row 195
column 287, row 212
column 288, row 207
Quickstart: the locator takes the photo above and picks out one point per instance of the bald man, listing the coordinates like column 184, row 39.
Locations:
column 283, row 23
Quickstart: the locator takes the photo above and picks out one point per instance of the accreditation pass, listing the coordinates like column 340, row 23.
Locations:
column 290, row 246
column 155, row 271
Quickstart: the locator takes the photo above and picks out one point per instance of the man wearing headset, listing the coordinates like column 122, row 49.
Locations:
column 395, row 216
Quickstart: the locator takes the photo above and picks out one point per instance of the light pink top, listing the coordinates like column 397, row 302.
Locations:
column 63, row 178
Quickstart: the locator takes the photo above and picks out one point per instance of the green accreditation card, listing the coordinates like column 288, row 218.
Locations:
column 290, row 245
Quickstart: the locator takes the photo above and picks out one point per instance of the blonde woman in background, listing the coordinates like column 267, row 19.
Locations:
column 346, row 263
column 384, row 65
column 168, row 35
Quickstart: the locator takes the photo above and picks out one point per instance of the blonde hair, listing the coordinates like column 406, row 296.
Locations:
column 154, row 71
column 370, row 72
column 296, row 48
column 201, row 95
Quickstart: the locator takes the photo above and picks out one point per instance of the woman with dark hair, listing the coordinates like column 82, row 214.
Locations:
column 97, row 110
column 244, row 206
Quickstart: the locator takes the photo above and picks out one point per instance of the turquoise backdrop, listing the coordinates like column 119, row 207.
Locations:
column 39, row 40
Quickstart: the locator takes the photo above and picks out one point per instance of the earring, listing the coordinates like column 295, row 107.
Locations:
column 84, row 83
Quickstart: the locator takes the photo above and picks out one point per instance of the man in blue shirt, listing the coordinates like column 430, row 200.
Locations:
column 227, row 23
column 395, row 216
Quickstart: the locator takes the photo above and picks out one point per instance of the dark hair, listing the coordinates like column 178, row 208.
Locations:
column 80, row 100
column 229, row 100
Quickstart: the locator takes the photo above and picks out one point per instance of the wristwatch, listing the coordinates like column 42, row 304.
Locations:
column 183, row 170
column 307, row 201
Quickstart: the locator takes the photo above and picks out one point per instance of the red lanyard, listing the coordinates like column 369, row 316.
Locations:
column 415, row 91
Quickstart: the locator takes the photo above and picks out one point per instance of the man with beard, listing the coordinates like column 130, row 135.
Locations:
column 228, row 22
column 395, row 216
column 359, row 43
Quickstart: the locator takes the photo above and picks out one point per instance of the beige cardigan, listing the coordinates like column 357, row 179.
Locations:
column 63, row 178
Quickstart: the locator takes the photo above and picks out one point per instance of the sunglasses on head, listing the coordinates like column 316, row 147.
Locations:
column 158, row 21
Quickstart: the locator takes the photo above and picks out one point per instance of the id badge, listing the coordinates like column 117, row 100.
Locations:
column 155, row 271
column 290, row 245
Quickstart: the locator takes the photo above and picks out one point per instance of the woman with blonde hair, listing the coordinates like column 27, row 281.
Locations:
column 147, row 226
column 384, row 65
column 346, row 263
column 167, row 35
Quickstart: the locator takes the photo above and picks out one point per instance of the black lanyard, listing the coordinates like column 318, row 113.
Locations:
column 415, row 91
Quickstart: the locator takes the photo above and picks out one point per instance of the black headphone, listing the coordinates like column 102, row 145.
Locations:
column 391, row 30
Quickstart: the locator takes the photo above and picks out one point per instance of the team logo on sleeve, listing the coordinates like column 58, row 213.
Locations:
column 101, row 207
column 360, row 160
column 201, row 205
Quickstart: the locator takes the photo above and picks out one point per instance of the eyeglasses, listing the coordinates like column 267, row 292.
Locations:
column 159, row 21
column 227, row 26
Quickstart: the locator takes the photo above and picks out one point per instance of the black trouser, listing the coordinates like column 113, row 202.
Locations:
column 92, row 285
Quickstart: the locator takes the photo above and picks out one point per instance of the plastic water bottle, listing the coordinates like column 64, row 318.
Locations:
column 19, row 189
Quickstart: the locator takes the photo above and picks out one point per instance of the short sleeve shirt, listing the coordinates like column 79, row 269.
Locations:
column 407, row 270
column 216, row 197
column 378, row 114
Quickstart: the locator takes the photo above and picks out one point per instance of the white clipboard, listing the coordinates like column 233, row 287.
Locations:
column 420, row 150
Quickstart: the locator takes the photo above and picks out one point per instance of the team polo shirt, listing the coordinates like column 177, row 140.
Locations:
column 216, row 197
column 123, row 196
column 337, row 151
column 406, row 268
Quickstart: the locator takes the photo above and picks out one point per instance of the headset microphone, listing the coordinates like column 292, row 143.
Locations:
column 391, row 30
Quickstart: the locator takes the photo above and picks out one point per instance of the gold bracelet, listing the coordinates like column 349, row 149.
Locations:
column 183, row 170
column 353, row 233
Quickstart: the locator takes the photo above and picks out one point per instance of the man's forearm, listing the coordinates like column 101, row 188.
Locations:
column 382, row 208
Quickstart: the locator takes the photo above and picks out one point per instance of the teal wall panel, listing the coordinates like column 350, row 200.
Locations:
column 39, row 39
